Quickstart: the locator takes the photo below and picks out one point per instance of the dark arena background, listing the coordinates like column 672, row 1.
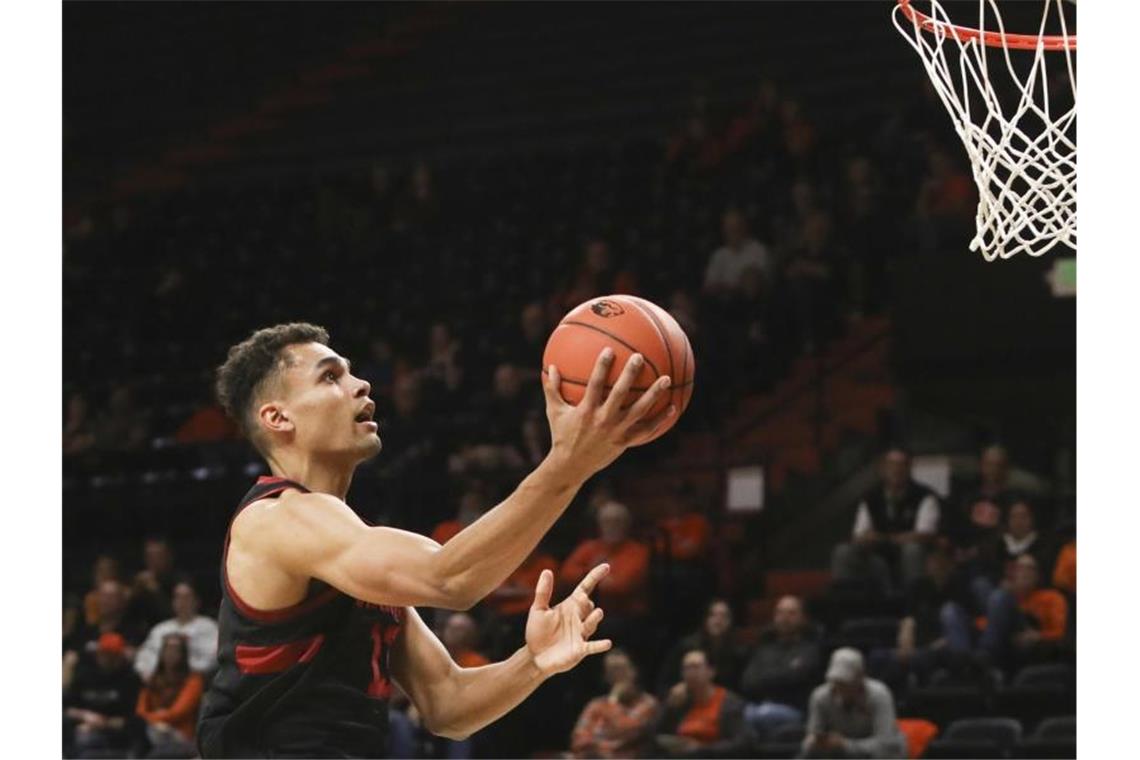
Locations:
column 437, row 184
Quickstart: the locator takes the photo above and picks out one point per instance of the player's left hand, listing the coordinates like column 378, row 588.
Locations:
column 559, row 638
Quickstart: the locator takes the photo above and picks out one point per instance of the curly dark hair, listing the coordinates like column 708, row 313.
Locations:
column 252, row 363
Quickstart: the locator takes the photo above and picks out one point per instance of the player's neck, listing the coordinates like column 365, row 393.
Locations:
column 318, row 475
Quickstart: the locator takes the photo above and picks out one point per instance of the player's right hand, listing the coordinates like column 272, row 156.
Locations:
column 591, row 435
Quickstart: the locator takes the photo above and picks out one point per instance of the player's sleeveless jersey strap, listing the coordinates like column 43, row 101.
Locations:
column 267, row 486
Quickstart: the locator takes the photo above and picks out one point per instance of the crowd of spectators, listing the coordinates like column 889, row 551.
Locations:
column 979, row 582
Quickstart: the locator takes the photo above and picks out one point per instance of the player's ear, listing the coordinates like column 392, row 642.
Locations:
column 273, row 417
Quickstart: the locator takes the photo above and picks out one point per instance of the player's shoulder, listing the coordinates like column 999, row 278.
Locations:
column 289, row 510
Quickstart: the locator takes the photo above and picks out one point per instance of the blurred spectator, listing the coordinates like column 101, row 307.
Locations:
column 113, row 617
column 927, row 636
column 810, row 277
column 461, row 637
column 895, row 522
column 724, row 276
column 1022, row 619
column 207, row 424
column 122, row 425
column 1065, row 569
column 701, row 719
column 1019, row 536
column 78, row 433
column 444, row 369
column 946, row 192
column 982, row 512
column 852, row 715
column 513, row 598
column 418, row 208
column 683, row 308
column 153, row 588
column 685, row 531
column 862, row 225
column 619, row 724
column 757, row 121
column 100, row 701
column 106, row 568
column 168, row 703
column 782, row 670
column 799, row 133
column 199, row 632
column 716, row 638
column 73, row 624
column 597, row 275
column 694, row 148
column 622, row 593
column 472, row 505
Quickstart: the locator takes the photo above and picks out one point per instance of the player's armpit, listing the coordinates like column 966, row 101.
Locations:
column 318, row 536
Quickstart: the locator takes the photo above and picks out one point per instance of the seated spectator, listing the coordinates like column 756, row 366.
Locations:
column 716, row 639
column 200, row 632
column 851, row 715
column 153, row 587
column 513, row 598
column 106, row 568
column 925, row 640
column 208, row 423
column 168, row 703
column 894, row 524
column 623, row 594
column 472, row 505
column 982, row 511
column 1022, row 619
column 597, row 275
column 1065, row 569
column 111, row 605
column 701, row 719
column 684, row 547
column 78, row 435
column 1018, row 537
column 460, row 638
column 685, row 532
column 122, row 426
column 810, row 275
column 99, row 701
column 724, row 275
column 784, row 666
column 619, row 724
column 523, row 345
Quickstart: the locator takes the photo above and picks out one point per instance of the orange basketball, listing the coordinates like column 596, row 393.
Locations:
column 628, row 325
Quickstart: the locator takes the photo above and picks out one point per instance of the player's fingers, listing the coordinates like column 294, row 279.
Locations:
column 648, row 400
column 592, row 578
column 597, row 647
column 595, row 387
column 590, row 624
column 584, row 603
column 645, row 429
column 552, row 386
column 621, row 388
column 542, row 590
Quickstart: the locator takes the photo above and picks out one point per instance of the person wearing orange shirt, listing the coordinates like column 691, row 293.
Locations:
column 471, row 508
column 512, row 599
column 169, row 701
column 1065, row 569
column 624, row 592
column 700, row 718
column 619, row 724
column 1022, row 616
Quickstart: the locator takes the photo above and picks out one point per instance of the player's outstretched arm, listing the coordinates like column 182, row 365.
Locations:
column 456, row 702
column 319, row 536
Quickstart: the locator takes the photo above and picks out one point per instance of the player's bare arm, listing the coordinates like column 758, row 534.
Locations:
column 314, row 535
column 456, row 702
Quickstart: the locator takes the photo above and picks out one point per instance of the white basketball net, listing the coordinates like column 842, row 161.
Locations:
column 1024, row 157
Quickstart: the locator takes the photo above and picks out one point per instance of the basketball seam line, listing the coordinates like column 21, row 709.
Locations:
column 637, row 388
column 608, row 334
column 664, row 341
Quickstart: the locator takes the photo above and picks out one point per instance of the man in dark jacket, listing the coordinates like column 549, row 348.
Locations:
column 783, row 668
column 99, row 703
column 702, row 719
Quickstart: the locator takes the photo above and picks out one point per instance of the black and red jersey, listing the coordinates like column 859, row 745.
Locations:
column 310, row 680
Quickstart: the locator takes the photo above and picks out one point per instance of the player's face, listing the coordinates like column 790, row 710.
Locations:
column 329, row 408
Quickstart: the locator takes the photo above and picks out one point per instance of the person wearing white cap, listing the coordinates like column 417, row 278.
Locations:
column 851, row 715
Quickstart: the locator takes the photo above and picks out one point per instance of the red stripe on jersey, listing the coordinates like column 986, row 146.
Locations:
column 255, row 660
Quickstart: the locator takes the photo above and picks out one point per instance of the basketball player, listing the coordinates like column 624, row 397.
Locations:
column 317, row 616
